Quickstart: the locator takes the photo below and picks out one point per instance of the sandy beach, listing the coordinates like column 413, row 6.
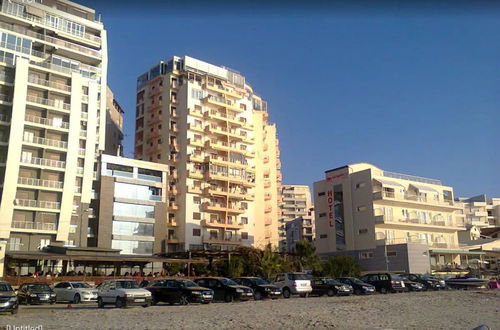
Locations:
column 425, row 310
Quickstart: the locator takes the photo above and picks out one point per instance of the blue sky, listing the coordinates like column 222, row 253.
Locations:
column 411, row 89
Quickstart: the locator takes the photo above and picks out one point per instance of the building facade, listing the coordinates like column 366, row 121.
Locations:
column 481, row 211
column 114, row 125
column 208, row 125
column 298, row 229
column 53, row 63
column 388, row 221
column 132, row 206
column 295, row 204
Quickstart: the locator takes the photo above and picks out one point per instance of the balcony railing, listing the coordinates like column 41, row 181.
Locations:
column 417, row 240
column 34, row 225
column 46, row 142
column 4, row 118
column 6, row 77
column 40, row 183
column 49, row 122
column 86, row 70
column 5, row 98
column 48, row 102
column 411, row 197
column 47, row 83
column 44, row 162
column 38, row 204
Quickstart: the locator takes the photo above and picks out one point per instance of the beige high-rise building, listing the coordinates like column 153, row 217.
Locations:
column 53, row 63
column 114, row 125
column 481, row 211
column 295, row 203
column 389, row 221
column 208, row 125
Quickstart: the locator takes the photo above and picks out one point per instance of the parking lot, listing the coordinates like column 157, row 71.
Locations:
column 421, row 310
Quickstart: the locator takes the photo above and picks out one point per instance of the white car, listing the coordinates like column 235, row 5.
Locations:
column 293, row 283
column 75, row 292
column 122, row 293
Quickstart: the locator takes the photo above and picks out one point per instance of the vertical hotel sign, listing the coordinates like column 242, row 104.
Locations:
column 330, row 201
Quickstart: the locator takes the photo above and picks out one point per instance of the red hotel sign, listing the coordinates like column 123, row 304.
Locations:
column 330, row 198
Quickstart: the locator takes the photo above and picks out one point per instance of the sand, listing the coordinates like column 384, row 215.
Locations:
column 420, row 310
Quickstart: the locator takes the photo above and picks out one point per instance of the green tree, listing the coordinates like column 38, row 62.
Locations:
column 341, row 266
column 307, row 258
column 270, row 262
column 251, row 259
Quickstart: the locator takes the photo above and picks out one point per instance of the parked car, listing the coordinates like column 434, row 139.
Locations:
column 225, row 289
column 330, row 287
column 75, row 292
column 411, row 285
column 428, row 282
column 36, row 293
column 385, row 282
column 8, row 299
column 293, row 284
column 358, row 286
column 122, row 293
column 182, row 292
column 441, row 281
column 261, row 287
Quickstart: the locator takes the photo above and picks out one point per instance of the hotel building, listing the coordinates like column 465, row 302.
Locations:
column 206, row 123
column 295, row 203
column 389, row 221
column 53, row 63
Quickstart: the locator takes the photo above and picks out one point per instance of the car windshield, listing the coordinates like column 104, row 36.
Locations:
column 187, row 283
column 357, row 281
column 298, row 277
column 37, row 286
column 127, row 285
column 259, row 281
column 81, row 285
column 4, row 287
column 227, row 281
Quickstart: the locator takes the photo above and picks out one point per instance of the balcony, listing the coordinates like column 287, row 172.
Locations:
column 268, row 234
column 219, row 223
column 30, row 226
column 172, row 206
column 197, row 143
column 172, row 223
column 4, row 119
column 408, row 199
column 44, row 162
column 225, row 161
column 222, row 89
column 194, row 189
column 268, row 221
column 267, row 196
column 56, row 123
column 29, row 203
column 46, row 142
column 196, row 157
column 195, row 113
column 56, row 104
column 268, row 209
column 173, row 191
column 40, row 183
column 222, row 102
column 195, row 174
column 172, row 175
column 47, row 83
column 172, row 239
column 5, row 98
column 436, row 223
column 194, row 127
column 221, row 240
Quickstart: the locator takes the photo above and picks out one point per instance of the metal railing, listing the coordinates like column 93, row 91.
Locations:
column 40, row 183
column 33, row 225
column 411, row 197
column 5, row 98
column 44, row 82
column 411, row 178
column 38, row 204
column 4, row 118
column 6, row 77
column 45, row 121
column 48, row 102
column 56, row 67
column 44, row 162
column 46, row 142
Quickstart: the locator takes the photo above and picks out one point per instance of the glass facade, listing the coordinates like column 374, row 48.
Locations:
column 132, row 191
column 133, row 210
column 132, row 228
column 132, row 247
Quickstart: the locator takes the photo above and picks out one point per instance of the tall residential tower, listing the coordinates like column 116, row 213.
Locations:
column 53, row 63
column 208, row 125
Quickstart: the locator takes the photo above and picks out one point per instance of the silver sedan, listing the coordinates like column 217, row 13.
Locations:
column 75, row 292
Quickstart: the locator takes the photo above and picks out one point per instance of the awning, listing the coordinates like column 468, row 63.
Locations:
column 389, row 183
column 457, row 251
column 424, row 188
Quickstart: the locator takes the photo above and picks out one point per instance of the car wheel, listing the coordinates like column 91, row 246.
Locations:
column 383, row 290
column 120, row 303
column 286, row 293
column 100, row 303
column 257, row 295
column 184, row 300
column 228, row 297
column 330, row 293
column 77, row 299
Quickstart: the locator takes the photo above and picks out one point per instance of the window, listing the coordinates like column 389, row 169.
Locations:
column 360, row 185
column 321, row 215
column 132, row 247
column 15, row 244
column 391, row 254
column 244, row 235
column 321, row 193
column 196, row 200
column 196, row 232
column 244, row 220
column 44, row 243
column 127, row 228
column 361, row 208
column 366, row 255
column 323, row 236
column 363, row 231
column 196, row 215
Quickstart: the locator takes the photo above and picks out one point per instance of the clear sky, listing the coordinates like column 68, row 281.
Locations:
column 413, row 89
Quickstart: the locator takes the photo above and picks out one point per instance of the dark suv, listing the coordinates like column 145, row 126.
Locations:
column 428, row 282
column 8, row 299
column 358, row 286
column 225, row 289
column 330, row 287
column 385, row 282
column 36, row 293
column 179, row 291
column 261, row 287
